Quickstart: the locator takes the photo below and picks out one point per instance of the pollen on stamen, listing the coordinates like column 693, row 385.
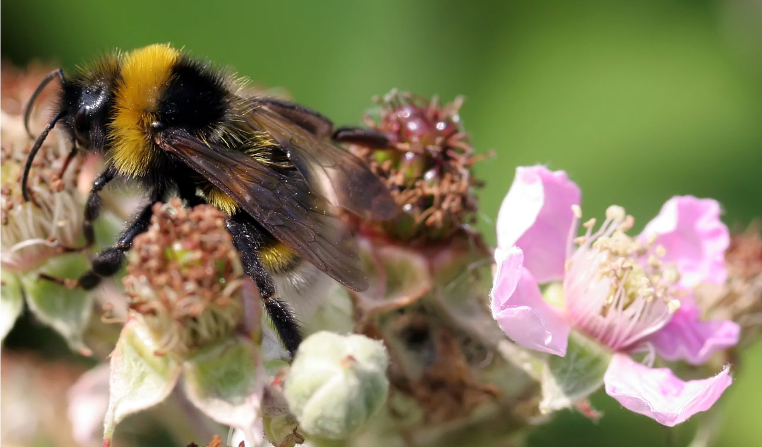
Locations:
column 577, row 210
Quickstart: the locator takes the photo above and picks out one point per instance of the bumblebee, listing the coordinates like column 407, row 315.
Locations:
column 180, row 126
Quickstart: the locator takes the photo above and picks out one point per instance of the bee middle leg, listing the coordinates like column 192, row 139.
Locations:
column 93, row 209
column 247, row 238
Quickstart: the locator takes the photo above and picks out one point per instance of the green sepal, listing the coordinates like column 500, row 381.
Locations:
column 281, row 428
column 139, row 377
column 226, row 381
column 11, row 302
column 398, row 277
column 68, row 311
column 568, row 379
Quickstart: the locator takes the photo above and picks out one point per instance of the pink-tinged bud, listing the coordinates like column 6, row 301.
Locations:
column 427, row 166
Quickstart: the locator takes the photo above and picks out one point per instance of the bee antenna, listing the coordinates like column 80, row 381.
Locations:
column 33, row 153
column 58, row 72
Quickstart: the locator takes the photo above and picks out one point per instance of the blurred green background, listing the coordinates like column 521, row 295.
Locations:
column 636, row 100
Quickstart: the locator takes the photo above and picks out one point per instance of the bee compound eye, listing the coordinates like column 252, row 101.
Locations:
column 82, row 125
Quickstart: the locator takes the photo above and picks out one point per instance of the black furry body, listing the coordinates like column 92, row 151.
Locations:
column 199, row 118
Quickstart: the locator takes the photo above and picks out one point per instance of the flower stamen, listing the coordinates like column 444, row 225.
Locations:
column 612, row 293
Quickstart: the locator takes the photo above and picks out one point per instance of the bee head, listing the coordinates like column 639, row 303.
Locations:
column 86, row 107
column 82, row 109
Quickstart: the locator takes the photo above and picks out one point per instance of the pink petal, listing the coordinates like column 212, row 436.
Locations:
column 88, row 401
column 519, row 309
column 658, row 393
column 688, row 338
column 695, row 238
column 536, row 216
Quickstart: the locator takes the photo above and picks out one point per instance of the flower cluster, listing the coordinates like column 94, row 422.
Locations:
column 628, row 294
column 443, row 361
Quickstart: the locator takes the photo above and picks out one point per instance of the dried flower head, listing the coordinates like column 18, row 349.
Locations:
column 740, row 297
column 34, row 231
column 185, row 278
column 427, row 166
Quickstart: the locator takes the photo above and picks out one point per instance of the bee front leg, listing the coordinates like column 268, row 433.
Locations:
column 247, row 240
column 93, row 209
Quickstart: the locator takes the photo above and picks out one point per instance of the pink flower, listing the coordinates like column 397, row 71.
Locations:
column 628, row 293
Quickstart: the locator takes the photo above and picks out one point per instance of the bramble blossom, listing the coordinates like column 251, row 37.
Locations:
column 630, row 294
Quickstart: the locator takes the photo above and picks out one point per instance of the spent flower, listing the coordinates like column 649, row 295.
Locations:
column 34, row 234
column 184, row 277
column 739, row 298
column 429, row 276
column 618, row 293
column 192, row 312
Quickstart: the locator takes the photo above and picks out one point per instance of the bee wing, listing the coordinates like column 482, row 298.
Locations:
column 282, row 204
column 308, row 119
column 339, row 176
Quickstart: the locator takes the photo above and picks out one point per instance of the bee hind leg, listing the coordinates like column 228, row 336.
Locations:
column 247, row 240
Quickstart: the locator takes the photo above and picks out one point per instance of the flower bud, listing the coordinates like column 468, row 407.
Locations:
column 427, row 167
column 336, row 383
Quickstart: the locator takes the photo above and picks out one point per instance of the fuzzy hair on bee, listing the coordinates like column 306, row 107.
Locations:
column 185, row 127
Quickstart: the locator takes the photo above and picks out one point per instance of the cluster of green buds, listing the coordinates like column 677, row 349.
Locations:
column 426, row 166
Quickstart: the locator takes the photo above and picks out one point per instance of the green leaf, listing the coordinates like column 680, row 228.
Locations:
column 226, row 382
column 139, row 378
column 11, row 302
column 66, row 310
column 463, row 279
column 575, row 376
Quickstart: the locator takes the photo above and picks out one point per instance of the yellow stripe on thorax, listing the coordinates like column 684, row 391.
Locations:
column 144, row 74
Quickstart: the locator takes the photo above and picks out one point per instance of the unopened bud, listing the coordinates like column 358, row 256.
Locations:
column 336, row 383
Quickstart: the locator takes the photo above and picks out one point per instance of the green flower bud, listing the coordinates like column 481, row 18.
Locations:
column 336, row 383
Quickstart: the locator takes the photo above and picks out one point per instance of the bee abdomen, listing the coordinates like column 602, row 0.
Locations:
column 277, row 258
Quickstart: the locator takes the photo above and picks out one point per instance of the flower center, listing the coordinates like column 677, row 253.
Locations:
column 617, row 288
column 184, row 277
